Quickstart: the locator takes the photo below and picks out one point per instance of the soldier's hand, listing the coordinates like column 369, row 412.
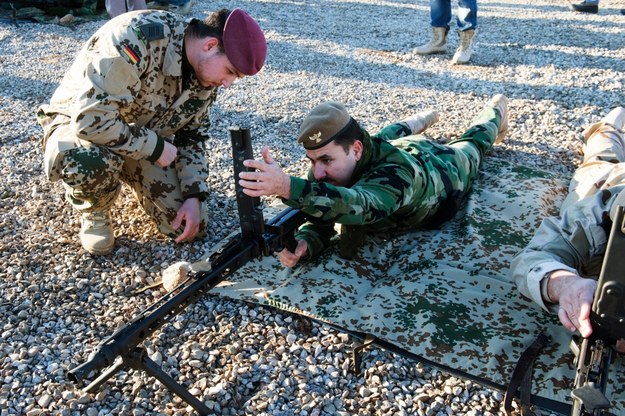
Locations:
column 168, row 155
column 289, row 259
column 268, row 179
column 575, row 295
column 190, row 213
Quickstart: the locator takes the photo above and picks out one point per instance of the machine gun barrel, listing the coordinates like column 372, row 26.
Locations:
column 140, row 328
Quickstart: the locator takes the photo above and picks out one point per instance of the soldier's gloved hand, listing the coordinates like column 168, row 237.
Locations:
column 168, row 155
column 289, row 259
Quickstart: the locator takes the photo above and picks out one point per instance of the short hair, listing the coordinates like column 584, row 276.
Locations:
column 212, row 26
column 346, row 141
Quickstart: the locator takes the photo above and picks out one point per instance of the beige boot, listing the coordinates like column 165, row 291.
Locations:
column 500, row 103
column 421, row 121
column 438, row 43
column 96, row 232
column 465, row 47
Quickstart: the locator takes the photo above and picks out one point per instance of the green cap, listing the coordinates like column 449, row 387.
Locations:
column 326, row 122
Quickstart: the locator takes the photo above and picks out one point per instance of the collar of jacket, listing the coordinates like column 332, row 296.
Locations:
column 365, row 161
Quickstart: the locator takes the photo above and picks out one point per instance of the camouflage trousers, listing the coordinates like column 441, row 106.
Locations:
column 92, row 176
column 453, row 166
column 603, row 165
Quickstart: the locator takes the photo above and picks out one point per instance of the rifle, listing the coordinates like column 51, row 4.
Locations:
column 124, row 347
column 596, row 353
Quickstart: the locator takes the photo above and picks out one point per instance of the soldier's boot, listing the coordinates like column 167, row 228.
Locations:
column 421, row 121
column 500, row 103
column 96, row 232
column 438, row 43
column 585, row 7
column 615, row 118
column 465, row 47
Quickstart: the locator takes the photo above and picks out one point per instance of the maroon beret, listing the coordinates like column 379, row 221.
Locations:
column 244, row 42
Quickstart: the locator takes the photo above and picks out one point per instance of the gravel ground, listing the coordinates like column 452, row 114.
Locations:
column 559, row 69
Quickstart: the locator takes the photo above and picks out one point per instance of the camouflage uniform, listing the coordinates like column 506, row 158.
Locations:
column 576, row 240
column 127, row 92
column 401, row 182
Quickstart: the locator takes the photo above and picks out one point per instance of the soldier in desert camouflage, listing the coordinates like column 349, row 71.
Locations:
column 134, row 107
column 394, row 180
column 559, row 267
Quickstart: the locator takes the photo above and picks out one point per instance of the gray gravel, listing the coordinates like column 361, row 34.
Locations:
column 559, row 69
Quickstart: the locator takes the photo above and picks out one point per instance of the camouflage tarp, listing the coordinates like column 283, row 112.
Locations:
column 442, row 295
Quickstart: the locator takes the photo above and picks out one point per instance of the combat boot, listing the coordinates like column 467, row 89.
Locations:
column 615, row 118
column 585, row 7
column 500, row 103
column 421, row 121
column 96, row 232
column 438, row 43
column 465, row 47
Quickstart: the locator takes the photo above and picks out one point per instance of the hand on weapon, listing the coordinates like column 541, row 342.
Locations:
column 290, row 259
column 574, row 294
column 268, row 179
column 189, row 212
column 168, row 155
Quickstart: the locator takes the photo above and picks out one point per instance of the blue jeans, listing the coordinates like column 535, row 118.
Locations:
column 440, row 11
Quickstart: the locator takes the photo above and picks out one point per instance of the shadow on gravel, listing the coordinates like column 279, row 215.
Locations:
column 391, row 74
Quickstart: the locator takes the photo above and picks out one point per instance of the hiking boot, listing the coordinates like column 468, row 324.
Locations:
column 465, row 47
column 421, row 121
column 500, row 103
column 615, row 118
column 438, row 43
column 585, row 7
column 96, row 232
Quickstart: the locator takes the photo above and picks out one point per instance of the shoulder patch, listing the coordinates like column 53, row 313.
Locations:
column 129, row 53
column 152, row 31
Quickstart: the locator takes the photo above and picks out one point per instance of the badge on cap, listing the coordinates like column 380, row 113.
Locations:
column 315, row 137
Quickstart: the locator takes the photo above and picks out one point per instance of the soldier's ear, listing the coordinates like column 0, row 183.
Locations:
column 357, row 146
column 210, row 43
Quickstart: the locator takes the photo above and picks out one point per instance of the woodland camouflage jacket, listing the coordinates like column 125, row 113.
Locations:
column 393, row 188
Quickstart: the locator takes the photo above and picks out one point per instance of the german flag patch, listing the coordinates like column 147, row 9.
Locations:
column 130, row 54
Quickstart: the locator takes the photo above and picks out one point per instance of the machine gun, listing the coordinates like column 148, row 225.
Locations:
column 595, row 353
column 124, row 347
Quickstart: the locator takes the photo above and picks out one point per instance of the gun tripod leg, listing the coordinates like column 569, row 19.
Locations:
column 138, row 359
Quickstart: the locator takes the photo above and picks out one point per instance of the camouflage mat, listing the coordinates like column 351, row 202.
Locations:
column 443, row 296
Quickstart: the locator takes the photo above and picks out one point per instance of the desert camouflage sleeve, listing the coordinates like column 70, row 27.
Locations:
column 574, row 242
column 109, row 77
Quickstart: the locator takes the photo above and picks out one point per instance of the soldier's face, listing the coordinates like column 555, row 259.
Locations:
column 213, row 69
column 333, row 164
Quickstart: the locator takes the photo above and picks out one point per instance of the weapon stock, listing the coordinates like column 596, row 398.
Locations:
column 595, row 353
column 257, row 238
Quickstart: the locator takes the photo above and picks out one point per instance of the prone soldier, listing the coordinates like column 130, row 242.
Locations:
column 394, row 180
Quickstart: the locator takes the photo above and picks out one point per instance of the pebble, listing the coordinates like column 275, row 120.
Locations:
column 58, row 302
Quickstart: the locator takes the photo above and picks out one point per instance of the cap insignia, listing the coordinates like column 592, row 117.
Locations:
column 315, row 137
